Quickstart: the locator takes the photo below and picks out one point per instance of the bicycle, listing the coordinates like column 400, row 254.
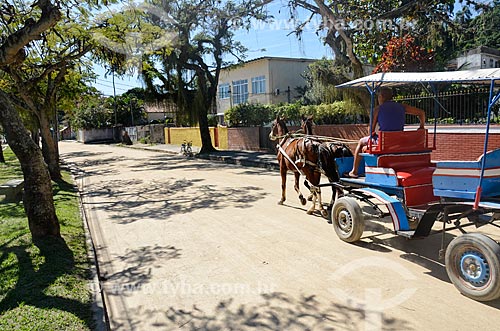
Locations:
column 186, row 148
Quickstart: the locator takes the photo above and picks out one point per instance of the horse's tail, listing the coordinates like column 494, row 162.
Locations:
column 327, row 164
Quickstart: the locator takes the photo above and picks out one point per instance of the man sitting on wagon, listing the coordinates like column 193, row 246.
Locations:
column 390, row 116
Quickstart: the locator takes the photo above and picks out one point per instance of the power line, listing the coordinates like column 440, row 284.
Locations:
column 116, row 83
column 110, row 86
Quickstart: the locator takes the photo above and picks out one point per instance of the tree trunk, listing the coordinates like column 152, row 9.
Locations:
column 2, row 159
column 202, row 104
column 206, row 140
column 50, row 154
column 38, row 200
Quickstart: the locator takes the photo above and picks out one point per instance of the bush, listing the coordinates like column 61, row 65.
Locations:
column 339, row 112
column 246, row 114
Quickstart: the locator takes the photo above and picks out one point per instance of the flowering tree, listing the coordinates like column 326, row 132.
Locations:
column 403, row 54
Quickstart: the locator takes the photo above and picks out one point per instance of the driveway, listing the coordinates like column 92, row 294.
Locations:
column 188, row 244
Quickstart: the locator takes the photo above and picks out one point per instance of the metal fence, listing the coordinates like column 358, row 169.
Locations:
column 464, row 106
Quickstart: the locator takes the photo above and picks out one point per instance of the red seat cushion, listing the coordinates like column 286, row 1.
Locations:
column 415, row 176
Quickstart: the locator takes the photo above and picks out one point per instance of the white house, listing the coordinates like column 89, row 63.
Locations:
column 266, row 80
column 479, row 58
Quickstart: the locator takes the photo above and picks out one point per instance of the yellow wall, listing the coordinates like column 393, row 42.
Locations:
column 223, row 140
column 179, row 135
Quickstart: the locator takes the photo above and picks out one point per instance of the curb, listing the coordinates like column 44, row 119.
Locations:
column 238, row 160
column 98, row 306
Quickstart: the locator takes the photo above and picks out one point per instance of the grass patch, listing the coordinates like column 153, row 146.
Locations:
column 43, row 285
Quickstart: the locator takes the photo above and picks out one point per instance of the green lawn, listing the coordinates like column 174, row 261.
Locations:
column 43, row 285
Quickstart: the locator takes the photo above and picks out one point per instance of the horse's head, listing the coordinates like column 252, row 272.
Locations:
column 306, row 124
column 278, row 128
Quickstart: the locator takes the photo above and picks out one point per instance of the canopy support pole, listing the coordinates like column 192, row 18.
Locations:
column 436, row 107
column 373, row 90
column 491, row 102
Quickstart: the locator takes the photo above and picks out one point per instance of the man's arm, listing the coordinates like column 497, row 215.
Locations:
column 417, row 112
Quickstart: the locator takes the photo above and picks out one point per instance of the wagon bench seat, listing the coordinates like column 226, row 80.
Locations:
column 415, row 176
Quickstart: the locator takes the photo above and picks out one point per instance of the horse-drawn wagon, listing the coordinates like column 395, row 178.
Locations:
column 401, row 181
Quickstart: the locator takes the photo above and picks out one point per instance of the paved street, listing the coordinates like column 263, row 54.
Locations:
column 190, row 244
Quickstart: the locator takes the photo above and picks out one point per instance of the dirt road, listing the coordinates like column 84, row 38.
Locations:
column 186, row 244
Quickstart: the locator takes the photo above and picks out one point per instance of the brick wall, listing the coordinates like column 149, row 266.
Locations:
column 243, row 138
column 462, row 146
column 452, row 143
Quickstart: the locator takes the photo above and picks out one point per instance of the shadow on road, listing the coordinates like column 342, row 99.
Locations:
column 276, row 312
column 134, row 200
column 138, row 264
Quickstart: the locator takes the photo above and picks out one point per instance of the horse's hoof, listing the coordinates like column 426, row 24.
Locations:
column 324, row 213
column 310, row 212
column 303, row 201
column 310, row 198
column 280, row 202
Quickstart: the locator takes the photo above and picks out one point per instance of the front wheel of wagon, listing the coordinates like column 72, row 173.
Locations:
column 473, row 265
column 347, row 219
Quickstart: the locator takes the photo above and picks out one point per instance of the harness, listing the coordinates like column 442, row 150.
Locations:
column 301, row 156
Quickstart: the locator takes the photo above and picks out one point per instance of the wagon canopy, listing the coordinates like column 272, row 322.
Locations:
column 479, row 76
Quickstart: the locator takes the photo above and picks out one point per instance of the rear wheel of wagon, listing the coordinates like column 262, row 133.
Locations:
column 473, row 265
column 347, row 219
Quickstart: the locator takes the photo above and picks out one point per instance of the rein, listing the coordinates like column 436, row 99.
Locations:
column 288, row 134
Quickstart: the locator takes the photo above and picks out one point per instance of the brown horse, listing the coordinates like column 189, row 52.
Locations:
column 328, row 151
column 335, row 149
column 301, row 156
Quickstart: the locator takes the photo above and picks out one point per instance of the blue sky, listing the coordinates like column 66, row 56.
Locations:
column 263, row 39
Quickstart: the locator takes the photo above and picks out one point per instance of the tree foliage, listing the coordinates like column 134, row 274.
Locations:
column 480, row 30
column 404, row 54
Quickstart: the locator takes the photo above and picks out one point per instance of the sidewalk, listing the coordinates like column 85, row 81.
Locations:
column 244, row 158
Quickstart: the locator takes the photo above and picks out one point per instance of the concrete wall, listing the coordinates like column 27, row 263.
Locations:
column 177, row 136
column 94, row 135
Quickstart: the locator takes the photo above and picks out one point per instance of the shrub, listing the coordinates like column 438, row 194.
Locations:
column 246, row 114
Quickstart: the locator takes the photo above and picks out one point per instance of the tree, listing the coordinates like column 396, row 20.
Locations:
column 321, row 78
column 403, row 54
column 35, row 82
column 38, row 202
column 21, row 26
column 481, row 30
column 205, row 38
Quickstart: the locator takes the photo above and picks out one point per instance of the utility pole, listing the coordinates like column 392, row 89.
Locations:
column 131, row 111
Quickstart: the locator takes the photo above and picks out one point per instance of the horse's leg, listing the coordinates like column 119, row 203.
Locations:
column 313, row 206
column 283, row 171
column 297, row 188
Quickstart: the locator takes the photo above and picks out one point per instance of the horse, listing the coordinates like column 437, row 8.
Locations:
column 329, row 151
column 302, row 156
column 335, row 148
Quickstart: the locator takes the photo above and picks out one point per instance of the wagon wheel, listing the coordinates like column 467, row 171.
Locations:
column 473, row 265
column 347, row 219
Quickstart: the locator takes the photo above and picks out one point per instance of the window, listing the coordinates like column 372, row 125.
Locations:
column 240, row 91
column 491, row 63
column 224, row 92
column 259, row 85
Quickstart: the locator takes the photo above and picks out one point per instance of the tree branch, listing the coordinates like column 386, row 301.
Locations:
column 14, row 43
